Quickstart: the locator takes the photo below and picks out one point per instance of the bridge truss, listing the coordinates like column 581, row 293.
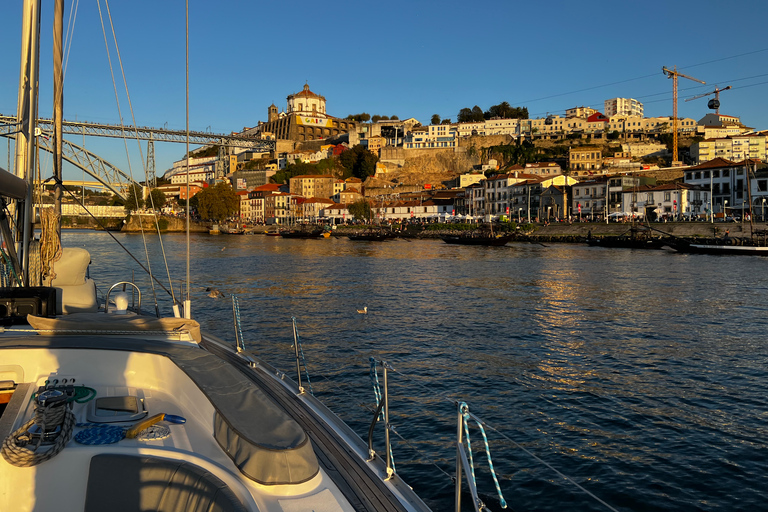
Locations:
column 110, row 175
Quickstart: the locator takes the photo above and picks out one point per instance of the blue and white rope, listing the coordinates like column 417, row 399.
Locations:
column 377, row 391
column 464, row 408
column 301, row 354
column 375, row 382
column 239, row 333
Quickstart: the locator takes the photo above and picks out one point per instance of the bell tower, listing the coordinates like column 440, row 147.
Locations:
column 272, row 113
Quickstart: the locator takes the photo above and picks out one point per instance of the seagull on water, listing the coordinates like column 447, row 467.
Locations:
column 363, row 311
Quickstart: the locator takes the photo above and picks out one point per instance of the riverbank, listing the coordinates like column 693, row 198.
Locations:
column 579, row 231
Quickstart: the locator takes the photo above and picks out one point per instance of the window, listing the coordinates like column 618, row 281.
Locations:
column 726, row 173
column 715, row 174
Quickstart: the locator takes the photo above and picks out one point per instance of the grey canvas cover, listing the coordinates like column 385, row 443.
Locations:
column 126, row 483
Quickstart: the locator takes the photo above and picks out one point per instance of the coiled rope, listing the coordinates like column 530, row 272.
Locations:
column 17, row 449
column 35, row 265
column 50, row 243
column 464, row 408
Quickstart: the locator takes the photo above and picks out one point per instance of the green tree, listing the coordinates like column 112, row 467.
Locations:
column 134, row 200
column 446, row 121
column 465, row 116
column 394, row 118
column 376, row 118
column 156, row 199
column 361, row 210
column 358, row 162
column 218, row 202
column 478, row 116
column 360, row 118
column 435, row 119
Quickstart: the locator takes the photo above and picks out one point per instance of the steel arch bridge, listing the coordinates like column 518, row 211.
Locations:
column 110, row 175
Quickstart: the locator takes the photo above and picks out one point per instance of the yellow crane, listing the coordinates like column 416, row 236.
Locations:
column 715, row 103
column 673, row 74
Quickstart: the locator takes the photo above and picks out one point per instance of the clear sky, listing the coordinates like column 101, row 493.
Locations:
column 412, row 59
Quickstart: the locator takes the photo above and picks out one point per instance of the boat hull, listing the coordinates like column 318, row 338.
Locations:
column 742, row 250
column 495, row 241
column 626, row 243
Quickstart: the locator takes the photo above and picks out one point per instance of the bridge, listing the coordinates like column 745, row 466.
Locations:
column 110, row 175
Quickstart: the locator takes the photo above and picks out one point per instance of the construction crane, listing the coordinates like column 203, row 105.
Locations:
column 673, row 74
column 715, row 103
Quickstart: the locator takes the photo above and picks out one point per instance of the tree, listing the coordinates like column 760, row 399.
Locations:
column 465, row 116
column 394, row 118
column 218, row 202
column 435, row 119
column 477, row 114
column 376, row 118
column 358, row 162
column 446, row 121
column 156, row 199
column 134, row 200
column 360, row 118
column 361, row 210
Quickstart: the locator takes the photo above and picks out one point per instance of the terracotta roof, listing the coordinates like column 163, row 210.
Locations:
column 305, row 93
column 715, row 163
column 268, row 187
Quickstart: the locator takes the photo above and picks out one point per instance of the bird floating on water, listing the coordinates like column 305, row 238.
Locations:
column 363, row 311
column 214, row 293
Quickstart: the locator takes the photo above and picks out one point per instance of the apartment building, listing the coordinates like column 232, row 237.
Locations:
column 735, row 148
column 440, row 136
column 727, row 181
column 622, row 106
column 588, row 197
column 584, row 159
column 313, row 185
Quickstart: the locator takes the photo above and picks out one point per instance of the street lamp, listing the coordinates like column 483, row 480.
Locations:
column 725, row 206
column 762, row 215
column 520, row 213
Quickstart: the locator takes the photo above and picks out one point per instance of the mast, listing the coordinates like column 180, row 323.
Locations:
column 26, row 117
column 58, row 107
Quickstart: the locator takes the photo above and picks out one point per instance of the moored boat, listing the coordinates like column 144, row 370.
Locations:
column 493, row 241
column 302, row 232
column 372, row 235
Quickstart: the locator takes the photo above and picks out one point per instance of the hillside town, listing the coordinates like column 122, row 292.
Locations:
column 586, row 164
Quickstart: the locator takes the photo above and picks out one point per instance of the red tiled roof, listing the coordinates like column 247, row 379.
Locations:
column 715, row 163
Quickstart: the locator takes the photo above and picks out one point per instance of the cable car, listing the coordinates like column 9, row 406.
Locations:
column 713, row 104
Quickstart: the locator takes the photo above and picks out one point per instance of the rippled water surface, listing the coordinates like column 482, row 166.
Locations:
column 640, row 375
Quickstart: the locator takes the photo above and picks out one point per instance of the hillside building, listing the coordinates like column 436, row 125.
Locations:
column 623, row 107
column 305, row 119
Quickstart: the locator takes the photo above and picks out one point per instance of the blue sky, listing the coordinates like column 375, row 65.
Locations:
column 412, row 59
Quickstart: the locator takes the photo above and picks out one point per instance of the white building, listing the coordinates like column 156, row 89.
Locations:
column 588, row 197
column 669, row 201
column 623, row 106
column 440, row 136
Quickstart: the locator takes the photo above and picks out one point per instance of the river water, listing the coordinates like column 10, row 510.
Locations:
column 639, row 375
